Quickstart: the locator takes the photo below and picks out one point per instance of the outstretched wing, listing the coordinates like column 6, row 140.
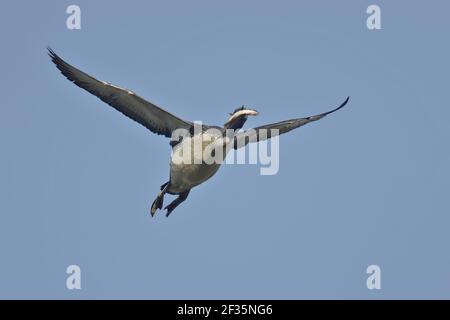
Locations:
column 146, row 113
column 265, row 132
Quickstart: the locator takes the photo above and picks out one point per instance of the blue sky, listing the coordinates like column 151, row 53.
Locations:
column 367, row 185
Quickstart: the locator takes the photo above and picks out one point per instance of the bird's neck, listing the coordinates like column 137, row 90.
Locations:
column 236, row 123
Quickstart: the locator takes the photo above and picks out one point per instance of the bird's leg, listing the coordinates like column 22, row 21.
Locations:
column 176, row 202
column 158, row 203
column 164, row 185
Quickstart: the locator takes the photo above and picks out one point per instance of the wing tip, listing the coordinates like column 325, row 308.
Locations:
column 63, row 67
column 343, row 104
column 340, row 107
column 54, row 57
column 51, row 53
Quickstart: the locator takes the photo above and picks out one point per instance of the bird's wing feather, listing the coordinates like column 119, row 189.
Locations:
column 127, row 102
column 265, row 132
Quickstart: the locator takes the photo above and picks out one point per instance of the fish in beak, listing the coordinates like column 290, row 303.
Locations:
column 238, row 117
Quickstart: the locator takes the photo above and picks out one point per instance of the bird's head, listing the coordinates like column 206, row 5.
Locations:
column 238, row 117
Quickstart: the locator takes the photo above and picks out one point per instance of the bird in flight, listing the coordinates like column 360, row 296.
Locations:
column 184, row 175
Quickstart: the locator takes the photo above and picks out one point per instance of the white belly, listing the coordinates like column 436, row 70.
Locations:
column 190, row 166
